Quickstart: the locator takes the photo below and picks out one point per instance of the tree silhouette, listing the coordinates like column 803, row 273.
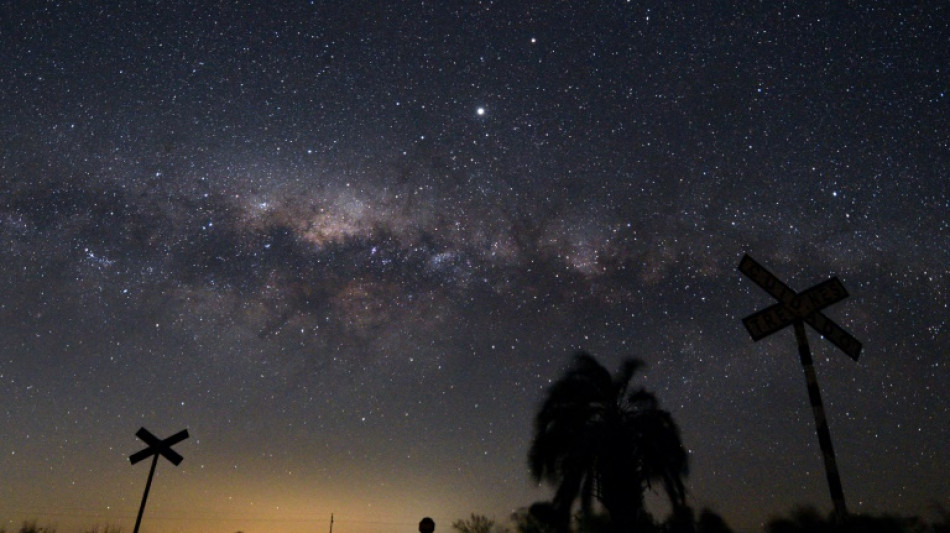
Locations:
column 807, row 519
column 533, row 519
column 711, row 522
column 595, row 438
column 476, row 524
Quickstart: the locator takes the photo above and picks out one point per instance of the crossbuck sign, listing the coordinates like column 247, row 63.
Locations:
column 156, row 447
column 796, row 309
column 804, row 306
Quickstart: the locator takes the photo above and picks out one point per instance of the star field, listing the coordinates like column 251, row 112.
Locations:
column 350, row 245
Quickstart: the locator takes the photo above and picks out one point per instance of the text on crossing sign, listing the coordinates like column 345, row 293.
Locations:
column 805, row 306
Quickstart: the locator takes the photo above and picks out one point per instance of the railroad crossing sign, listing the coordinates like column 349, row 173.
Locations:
column 156, row 447
column 792, row 306
column 798, row 309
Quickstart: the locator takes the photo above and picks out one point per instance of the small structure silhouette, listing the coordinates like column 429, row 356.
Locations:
column 426, row 525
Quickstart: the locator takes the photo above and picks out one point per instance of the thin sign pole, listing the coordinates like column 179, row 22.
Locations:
column 821, row 424
column 148, row 485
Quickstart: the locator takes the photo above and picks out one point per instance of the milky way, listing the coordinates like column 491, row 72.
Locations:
column 350, row 246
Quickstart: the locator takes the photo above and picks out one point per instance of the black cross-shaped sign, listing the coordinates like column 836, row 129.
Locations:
column 798, row 309
column 159, row 446
column 156, row 447
column 792, row 306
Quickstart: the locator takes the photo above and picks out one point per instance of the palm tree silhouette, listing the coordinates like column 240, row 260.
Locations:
column 594, row 438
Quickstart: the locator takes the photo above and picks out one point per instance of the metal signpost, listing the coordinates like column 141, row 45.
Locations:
column 797, row 309
column 155, row 448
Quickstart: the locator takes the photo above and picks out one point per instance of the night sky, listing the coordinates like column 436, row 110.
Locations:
column 349, row 245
